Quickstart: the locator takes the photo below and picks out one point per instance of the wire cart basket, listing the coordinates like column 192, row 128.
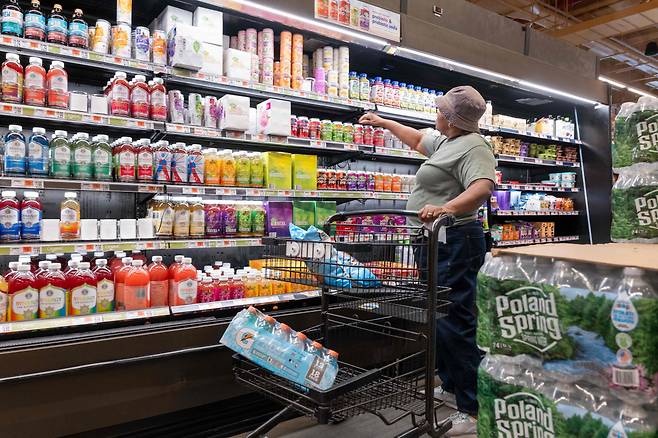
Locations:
column 390, row 315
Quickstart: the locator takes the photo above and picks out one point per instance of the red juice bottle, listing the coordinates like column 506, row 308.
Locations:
column 205, row 291
column 139, row 98
column 115, row 262
column 159, row 282
column 144, row 161
column 185, row 280
column 40, row 274
column 178, row 262
column 97, row 255
column 53, row 293
column 72, row 265
column 137, row 255
column 136, row 289
column 120, row 95
column 120, row 283
column 236, row 287
column 82, row 290
column 124, row 158
column 12, row 79
column 104, row 286
column 158, row 100
column 58, row 85
column 23, row 299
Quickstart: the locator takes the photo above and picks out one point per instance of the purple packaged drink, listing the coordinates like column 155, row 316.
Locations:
column 503, row 199
column 214, row 223
column 361, row 182
column 370, row 181
column 278, row 216
column 229, row 220
column 351, row 180
column 211, row 111
column 176, row 106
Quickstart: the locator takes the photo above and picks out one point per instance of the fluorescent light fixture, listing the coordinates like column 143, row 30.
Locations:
column 309, row 21
column 640, row 92
column 553, row 91
column 611, row 82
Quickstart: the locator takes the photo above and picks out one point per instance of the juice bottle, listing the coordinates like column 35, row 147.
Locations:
column 185, row 284
column 4, row 288
column 228, row 177
column 195, row 164
column 120, row 95
column 182, row 218
column 162, row 161
column 396, row 183
column 158, row 100
column 57, row 27
column 136, row 289
column 58, row 85
column 211, row 167
column 179, row 163
column 60, row 155
column 258, row 220
column 101, row 155
column 137, row 255
column 222, row 289
column 15, row 151
column 251, row 286
column 388, row 92
column 144, row 160
column 81, row 150
column 12, row 78
column 72, row 265
column 197, row 218
column 120, row 283
column 69, row 222
column 364, row 87
column 23, row 297
column 78, row 31
column 229, row 220
column 256, row 170
column 12, row 19
column 178, row 262
column 236, row 286
column 242, row 169
column 53, row 293
column 40, row 274
column 10, row 223
column 34, row 89
column 159, row 282
column 214, row 225
column 205, row 291
column 115, row 262
column 35, row 23
column 38, row 153
column 139, row 98
column 244, row 220
column 31, row 212
column 104, row 286
column 124, row 160
column 82, row 287
column 162, row 213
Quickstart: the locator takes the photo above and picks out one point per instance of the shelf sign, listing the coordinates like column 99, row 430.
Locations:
column 360, row 16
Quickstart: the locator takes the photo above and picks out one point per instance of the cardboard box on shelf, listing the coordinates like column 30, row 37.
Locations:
column 237, row 64
column 324, row 210
column 234, row 113
column 303, row 213
column 184, row 48
column 277, row 170
column 274, row 117
column 304, row 172
column 209, row 19
column 171, row 16
column 212, row 57
column 278, row 216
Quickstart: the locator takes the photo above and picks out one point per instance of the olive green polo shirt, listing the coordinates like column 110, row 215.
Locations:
column 452, row 166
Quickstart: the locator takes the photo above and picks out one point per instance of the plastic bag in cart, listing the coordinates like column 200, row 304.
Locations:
column 337, row 268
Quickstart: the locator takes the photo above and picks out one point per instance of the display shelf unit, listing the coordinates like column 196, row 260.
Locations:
column 21, row 182
column 537, row 188
column 506, row 243
column 242, row 302
column 534, row 213
column 525, row 161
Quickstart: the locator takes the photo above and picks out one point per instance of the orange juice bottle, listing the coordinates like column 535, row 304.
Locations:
column 227, row 168
column 69, row 225
column 136, row 289
column 185, row 290
column 212, row 167
column 120, row 283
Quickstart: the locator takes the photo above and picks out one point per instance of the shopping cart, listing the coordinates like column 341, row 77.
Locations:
column 391, row 319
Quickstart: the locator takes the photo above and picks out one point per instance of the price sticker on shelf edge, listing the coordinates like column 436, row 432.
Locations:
column 104, row 187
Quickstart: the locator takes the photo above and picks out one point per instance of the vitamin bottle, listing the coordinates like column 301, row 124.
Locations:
column 82, row 166
column 60, row 155
column 53, row 293
column 120, row 95
column 78, row 31
column 10, row 219
column 15, row 153
column 136, row 289
column 82, row 290
column 197, row 218
column 211, row 167
column 179, row 163
column 58, row 85
column 178, row 262
column 101, row 155
column 38, row 153
column 124, row 160
column 185, row 284
column 12, row 78
column 35, row 23
column 69, row 222
column 195, row 164
column 144, row 160
column 31, row 212
column 139, row 98
column 104, row 286
column 34, row 89
column 242, row 169
column 23, row 297
column 228, row 177
column 12, row 19
column 158, row 100
column 182, row 218
column 162, row 161
column 120, row 283
column 159, row 282
column 57, row 27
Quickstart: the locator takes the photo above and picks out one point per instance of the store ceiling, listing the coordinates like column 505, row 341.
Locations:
column 617, row 31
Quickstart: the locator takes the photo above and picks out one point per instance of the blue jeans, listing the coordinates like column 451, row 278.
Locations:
column 458, row 356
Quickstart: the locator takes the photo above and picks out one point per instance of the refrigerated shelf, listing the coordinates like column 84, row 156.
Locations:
column 534, row 213
column 504, row 243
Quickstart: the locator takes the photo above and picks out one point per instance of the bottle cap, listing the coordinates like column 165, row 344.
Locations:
column 140, row 78
column 126, row 260
column 83, row 135
column 98, row 254
column 101, row 262
column 121, row 75
column 179, row 258
column 54, row 266
column 35, row 60
column 23, row 268
column 13, row 265
column 137, row 262
column 15, row 128
column 156, row 259
column 40, row 131
column 8, row 194
column 12, row 57
column 84, row 265
column 187, row 260
column 60, row 133
column 70, row 195
column 51, row 257
column 57, row 64
column 44, row 264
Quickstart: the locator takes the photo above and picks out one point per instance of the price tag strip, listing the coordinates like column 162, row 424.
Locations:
column 243, row 302
column 535, row 241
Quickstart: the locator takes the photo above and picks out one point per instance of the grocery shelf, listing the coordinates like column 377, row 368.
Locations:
column 71, row 184
column 504, row 243
column 46, row 114
column 228, row 304
column 534, row 213
column 536, row 188
column 513, row 159
column 527, row 135
column 228, row 242
column 81, row 320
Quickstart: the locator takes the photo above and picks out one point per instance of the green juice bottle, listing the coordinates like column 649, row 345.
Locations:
column 60, row 155
column 82, row 159
column 101, row 153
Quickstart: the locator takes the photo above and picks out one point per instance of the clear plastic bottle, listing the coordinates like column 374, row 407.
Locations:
column 83, row 293
column 136, row 289
column 12, row 78
column 124, row 157
column 69, row 225
column 31, row 213
column 159, row 282
column 53, row 293
column 158, row 100
column 10, row 224
column 364, row 87
column 104, row 286
column 60, row 155
column 101, row 153
column 139, row 98
column 388, row 92
column 197, row 218
column 403, row 94
column 58, row 85
column 120, row 95
column 38, row 153
column 15, row 157
column 145, row 166
column 12, row 19
column 81, row 151
column 23, row 298
column 34, row 89
column 182, row 218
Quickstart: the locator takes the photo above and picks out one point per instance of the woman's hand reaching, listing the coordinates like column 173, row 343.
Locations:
column 372, row 119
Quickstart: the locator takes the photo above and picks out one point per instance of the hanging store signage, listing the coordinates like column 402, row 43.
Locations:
column 360, row 16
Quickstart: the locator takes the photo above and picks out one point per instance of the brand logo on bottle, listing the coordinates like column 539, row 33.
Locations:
column 646, row 208
column 647, row 136
column 245, row 338
column 523, row 415
column 528, row 315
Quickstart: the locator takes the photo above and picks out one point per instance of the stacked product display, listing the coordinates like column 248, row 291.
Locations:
column 519, row 231
column 338, row 179
column 519, row 148
column 526, row 201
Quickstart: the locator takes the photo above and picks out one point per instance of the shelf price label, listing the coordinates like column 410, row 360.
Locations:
column 104, row 187
column 194, row 191
column 146, row 188
column 26, row 183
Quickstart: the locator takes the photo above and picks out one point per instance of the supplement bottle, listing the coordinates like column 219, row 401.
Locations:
column 53, row 293
column 58, row 85
column 15, row 153
column 23, row 297
column 82, row 287
column 57, row 27
column 104, row 286
column 34, row 90
column 82, row 166
column 10, row 217
column 78, row 31
column 101, row 155
column 31, row 213
column 12, row 79
column 159, row 282
column 69, row 225
column 35, row 23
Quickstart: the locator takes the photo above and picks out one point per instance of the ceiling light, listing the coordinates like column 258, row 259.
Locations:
column 611, row 82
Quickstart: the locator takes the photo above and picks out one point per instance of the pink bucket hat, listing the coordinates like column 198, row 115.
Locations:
column 463, row 107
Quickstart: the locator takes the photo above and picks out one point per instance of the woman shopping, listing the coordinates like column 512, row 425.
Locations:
column 457, row 178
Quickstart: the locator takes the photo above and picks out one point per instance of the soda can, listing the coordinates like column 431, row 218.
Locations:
column 251, row 41
column 210, row 112
column 195, row 109
column 267, row 36
column 121, row 40
column 242, row 40
column 100, row 43
column 159, row 47
column 176, row 106
column 142, row 44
